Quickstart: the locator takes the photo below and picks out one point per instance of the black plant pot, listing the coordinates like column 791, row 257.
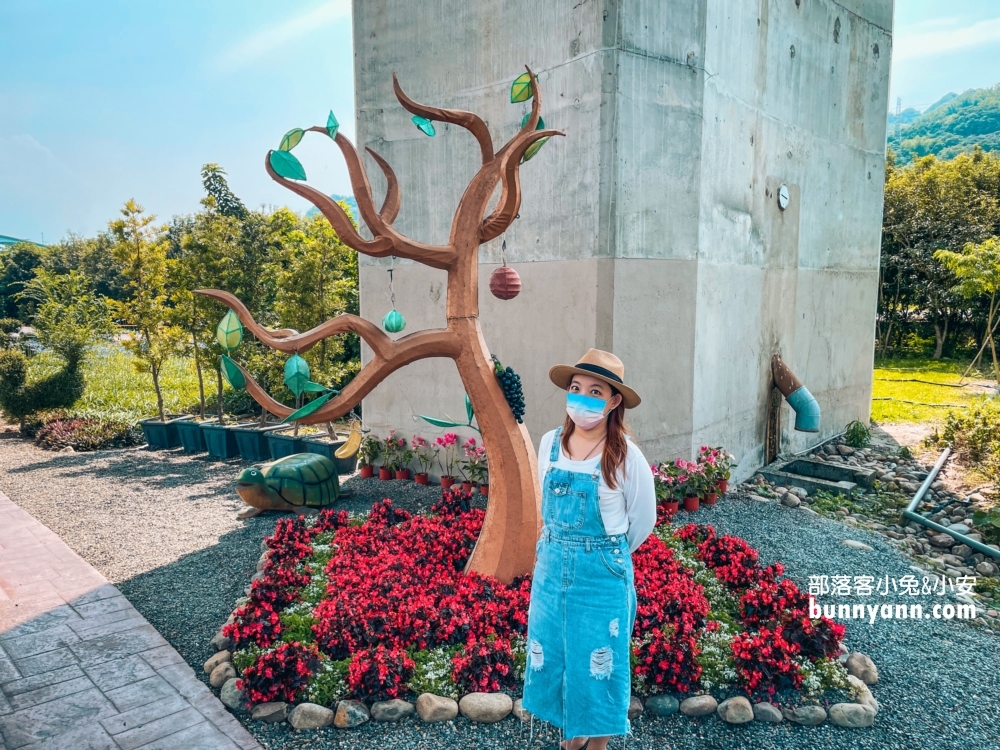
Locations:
column 162, row 435
column 322, row 445
column 220, row 441
column 252, row 442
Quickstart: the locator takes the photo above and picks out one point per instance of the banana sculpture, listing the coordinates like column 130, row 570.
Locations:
column 350, row 447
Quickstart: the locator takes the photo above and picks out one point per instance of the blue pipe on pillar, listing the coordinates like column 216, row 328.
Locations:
column 803, row 403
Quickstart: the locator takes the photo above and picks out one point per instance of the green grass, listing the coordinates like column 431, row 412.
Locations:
column 116, row 389
column 891, row 380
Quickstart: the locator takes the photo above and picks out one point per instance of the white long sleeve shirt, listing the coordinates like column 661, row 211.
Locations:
column 631, row 508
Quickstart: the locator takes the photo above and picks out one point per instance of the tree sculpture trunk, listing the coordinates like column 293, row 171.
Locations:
column 505, row 548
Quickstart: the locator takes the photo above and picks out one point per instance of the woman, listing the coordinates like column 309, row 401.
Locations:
column 598, row 506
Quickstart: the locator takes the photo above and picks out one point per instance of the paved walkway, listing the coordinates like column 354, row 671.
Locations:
column 81, row 669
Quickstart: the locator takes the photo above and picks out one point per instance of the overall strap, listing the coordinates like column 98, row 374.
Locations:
column 554, row 453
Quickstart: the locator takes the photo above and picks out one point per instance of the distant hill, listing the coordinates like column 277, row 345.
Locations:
column 348, row 199
column 953, row 124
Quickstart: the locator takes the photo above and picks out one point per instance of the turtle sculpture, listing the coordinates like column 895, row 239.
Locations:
column 293, row 483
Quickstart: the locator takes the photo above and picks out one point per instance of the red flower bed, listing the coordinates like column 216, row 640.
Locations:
column 394, row 587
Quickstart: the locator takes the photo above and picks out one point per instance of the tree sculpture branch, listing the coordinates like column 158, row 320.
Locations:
column 389, row 355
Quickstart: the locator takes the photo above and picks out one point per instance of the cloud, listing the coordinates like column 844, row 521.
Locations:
column 267, row 40
column 908, row 45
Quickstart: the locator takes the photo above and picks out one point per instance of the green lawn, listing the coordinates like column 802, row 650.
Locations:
column 894, row 380
column 116, row 389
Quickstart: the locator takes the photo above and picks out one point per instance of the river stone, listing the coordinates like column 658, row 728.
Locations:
column 634, row 708
column 391, row 710
column 520, row 711
column 961, row 528
column 272, row 713
column 699, row 705
column 436, row 708
column 310, row 716
column 961, row 550
column 225, row 671
column 735, row 710
column 942, row 540
column 986, row 568
column 855, row 544
column 232, row 696
column 852, row 715
column 216, row 660
column 350, row 714
column 486, row 708
column 767, row 712
column 808, row 715
column 662, row 705
column 862, row 667
column 865, row 696
column 791, row 500
column 221, row 642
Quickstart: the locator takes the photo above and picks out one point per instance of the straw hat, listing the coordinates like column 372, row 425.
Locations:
column 601, row 365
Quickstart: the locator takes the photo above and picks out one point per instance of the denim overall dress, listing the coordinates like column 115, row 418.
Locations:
column 581, row 611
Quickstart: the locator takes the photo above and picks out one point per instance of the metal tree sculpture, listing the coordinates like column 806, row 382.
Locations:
column 505, row 548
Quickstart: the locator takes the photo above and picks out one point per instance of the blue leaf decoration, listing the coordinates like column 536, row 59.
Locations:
column 332, row 126
column 426, row 126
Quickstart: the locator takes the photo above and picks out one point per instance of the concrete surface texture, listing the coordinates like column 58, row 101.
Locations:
column 81, row 668
column 653, row 229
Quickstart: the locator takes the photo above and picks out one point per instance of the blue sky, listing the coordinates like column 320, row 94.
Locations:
column 107, row 100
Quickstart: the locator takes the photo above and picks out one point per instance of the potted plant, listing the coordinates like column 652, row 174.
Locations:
column 190, row 435
column 251, row 438
column 220, row 442
column 403, row 457
column 474, row 465
column 665, row 486
column 391, row 459
column 371, row 449
column 426, row 455
column 284, row 442
column 690, row 481
column 327, row 444
column 448, row 446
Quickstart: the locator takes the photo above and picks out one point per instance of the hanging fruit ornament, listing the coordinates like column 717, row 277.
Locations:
column 393, row 321
column 505, row 283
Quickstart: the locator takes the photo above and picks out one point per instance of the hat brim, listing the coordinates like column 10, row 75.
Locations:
column 562, row 376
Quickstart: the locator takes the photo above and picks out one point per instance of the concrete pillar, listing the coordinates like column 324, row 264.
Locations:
column 653, row 228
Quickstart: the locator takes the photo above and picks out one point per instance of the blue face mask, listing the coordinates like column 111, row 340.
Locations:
column 585, row 411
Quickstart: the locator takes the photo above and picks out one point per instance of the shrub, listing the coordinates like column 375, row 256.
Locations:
column 86, row 434
column 281, row 674
column 667, row 661
column 19, row 399
column 765, row 661
column 484, row 666
column 379, row 674
column 974, row 434
column 857, row 435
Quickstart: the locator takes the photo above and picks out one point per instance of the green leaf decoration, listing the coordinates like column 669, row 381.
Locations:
column 291, row 139
column 527, row 116
column 312, row 387
column 234, row 376
column 332, row 126
column 229, row 332
column 426, row 126
column 468, row 408
column 393, row 322
column 520, row 90
column 441, row 422
column 533, row 149
column 286, row 165
column 309, row 408
column 296, row 374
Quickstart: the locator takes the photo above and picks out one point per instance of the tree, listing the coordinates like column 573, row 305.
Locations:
column 977, row 268
column 142, row 255
column 68, row 315
column 933, row 205
column 505, row 548
column 17, row 267
column 320, row 280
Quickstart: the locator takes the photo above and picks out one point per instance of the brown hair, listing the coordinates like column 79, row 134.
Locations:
column 615, row 446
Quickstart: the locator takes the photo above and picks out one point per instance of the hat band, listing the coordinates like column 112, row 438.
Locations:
column 598, row 370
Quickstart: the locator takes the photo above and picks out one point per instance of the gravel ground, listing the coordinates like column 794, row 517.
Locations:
column 163, row 527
